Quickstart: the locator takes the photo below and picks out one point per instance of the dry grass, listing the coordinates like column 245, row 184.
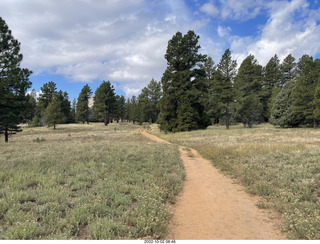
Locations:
column 281, row 165
column 86, row 182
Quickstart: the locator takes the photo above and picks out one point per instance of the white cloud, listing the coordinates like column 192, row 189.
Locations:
column 223, row 32
column 233, row 9
column 239, row 47
column 210, row 9
column 125, row 41
column 34, row 94
column 131, row 91
column 96, row 40
column 240, row 10
column 291, row 29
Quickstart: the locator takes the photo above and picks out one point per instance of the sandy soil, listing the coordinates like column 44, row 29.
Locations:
column 212, row 207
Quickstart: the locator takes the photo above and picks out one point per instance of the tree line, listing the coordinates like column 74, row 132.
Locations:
column 192, row 94
column 53, row 107
column 197, row 93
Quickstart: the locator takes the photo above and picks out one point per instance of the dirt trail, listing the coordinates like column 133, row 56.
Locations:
column 212, row 207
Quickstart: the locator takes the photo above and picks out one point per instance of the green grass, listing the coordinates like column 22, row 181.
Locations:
column 281, row 165
column 86, row 182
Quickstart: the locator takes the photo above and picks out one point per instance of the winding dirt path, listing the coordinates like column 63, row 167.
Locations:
column 212, row 207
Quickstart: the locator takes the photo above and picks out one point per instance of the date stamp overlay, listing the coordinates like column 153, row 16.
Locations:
column 159, row 241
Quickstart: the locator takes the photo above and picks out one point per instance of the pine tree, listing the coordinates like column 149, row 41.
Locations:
column 209, row 68
column 148, row 101
column 281, row 112
column 184, row 85
column 143, row 106
column 223, row 85
column 104, row 102
column 248, row 91
column 73, row 110
column 134, row 111
column 212, row 107
column 48, row 90
column 119, row 108
column 82, row 113
column 271, row 85
column 127, row 110
column 304, row 92
column 288, row 69
column 63, row 97
column 122, row 107
column 14, row 83
column 53, row 114
column 317, row 101
column 30, row 108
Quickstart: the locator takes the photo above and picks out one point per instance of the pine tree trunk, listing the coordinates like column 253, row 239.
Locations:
column 54, row 126
column 249, row 123
column 314, row 123
column 6, row 135
column 105, row 119
column 227, row 116
column 87, row 116
column 108, row 117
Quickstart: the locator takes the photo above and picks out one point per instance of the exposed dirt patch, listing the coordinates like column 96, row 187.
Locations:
column 212, row 207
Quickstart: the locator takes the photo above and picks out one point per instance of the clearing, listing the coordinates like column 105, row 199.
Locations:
column 86, row 182
column 212, row 207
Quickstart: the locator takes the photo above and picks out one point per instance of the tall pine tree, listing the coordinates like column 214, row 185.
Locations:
column 119, row 110
column 304, row 91
column 212, row 108
column 149, row 100
column 248, row 91
column 104, row 102
column 82, row 111
column 317, row 101
column 223, row 85
column 184, row 85
column 288, row 69
column 271, row 85
column 14, row 82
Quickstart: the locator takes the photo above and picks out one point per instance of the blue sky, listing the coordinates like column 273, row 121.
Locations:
column 78, row 42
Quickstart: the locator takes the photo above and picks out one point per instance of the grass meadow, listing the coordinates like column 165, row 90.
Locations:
column 86, row 182
column 280, row 165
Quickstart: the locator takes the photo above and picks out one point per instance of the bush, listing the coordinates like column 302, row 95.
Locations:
column 35, row 122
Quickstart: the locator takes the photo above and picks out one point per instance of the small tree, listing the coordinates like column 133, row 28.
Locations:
column 14, row 83
column 82, row 113
column 53, row 114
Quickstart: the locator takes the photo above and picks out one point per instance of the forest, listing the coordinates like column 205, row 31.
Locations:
column 193, row 93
